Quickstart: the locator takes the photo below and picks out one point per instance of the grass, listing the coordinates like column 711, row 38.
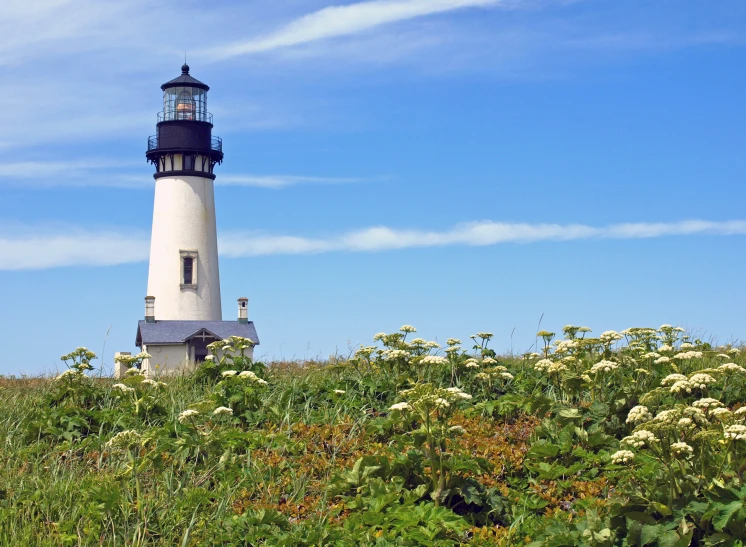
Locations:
column 519, row 453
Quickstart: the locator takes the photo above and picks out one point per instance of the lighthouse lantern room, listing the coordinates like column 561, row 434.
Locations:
column 183, row 306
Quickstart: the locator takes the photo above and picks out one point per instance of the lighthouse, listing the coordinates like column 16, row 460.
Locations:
column 183, row 312
column 183, row 275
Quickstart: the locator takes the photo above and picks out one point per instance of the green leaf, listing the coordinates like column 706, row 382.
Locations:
column 649, row 534
column 725, row 513
column 641, row 517
column 542, row 449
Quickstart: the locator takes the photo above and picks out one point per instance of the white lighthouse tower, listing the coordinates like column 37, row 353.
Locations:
column 182, row 310
column 183, row 276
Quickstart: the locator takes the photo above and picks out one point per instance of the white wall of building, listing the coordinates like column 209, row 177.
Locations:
column 184, row 220
column 166, row 359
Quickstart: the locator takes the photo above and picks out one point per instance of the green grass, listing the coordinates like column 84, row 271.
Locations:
column 316, row 456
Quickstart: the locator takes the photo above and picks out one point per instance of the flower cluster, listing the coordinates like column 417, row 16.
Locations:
column 638, row 415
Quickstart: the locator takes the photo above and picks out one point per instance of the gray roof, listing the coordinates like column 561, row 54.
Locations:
column 177, row 332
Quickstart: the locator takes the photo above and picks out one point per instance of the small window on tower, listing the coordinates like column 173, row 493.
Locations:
column 188, row 269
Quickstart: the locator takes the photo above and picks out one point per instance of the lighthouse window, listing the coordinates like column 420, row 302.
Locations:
column 188, row 269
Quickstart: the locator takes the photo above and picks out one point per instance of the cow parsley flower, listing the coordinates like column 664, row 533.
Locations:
column 123, row 388
column 604, row 366
column 149, row 382
column 731, row 368
column 452, row 349
column 379, row 336
column 432, row 345
column 440, row 402
column 667, row 416
column 340, row 391
column 247, row 374
column 453, row 341
column 741, row 412
column 418, row 342
column 471, row 364
column 457, row 430
column 736, row 432
column 543, row 365
column 209, row 358
column 734, row 351
column 124, row 439
column 682, row 449
column 701, row 380
column 610, row 336
column 685, row 422
column 671, row 379
column 407, row 328
column 661, row 360
column 681, row 387
column 723, row 356
column 393, row 354
column 721, row 413
column 707, row 403
column 506, row 376
column 434, row 360
column 222, row 411
column 686, row 355
column 651, row 355
column 229, row 373
column 186, row 415
column 400, row 406
column 458, row 393
column 556, row 368
column 640, row 438
column 665, row 348
column 622, row 456
column 485, row 335
column 70, row 374
column 485, row 377
column 489, row 361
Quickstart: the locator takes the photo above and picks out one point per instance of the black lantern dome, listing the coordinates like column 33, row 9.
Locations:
column 184, row 144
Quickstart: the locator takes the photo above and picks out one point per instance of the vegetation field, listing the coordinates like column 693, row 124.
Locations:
column 631, row 438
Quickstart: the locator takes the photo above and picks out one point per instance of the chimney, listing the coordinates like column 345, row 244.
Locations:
column 150, row 309
column 243, row 310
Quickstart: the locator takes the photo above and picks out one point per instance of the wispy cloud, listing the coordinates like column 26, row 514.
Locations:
column 336, row 21
column 38, row 250
column 282, row 181
column 475, row 234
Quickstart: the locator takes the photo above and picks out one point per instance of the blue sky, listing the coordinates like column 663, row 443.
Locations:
column 459, row 165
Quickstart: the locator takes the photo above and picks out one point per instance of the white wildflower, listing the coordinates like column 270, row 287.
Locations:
column 393, row 354
column 672, row 379
column 484, row 377
column 407, row 328
column 400, row 406
column 651, row 355
column 604, row 366
column 485, row 335
column 123, row 388
column 432, row 345
column 456, row 430
column 622, row 456
column 667, row 416
column 688, row 355
column 734, row 351
column 741, row 412
column 685, row 422
column 379, row 336
column 247, row 374
column 723, row 356
column 543, row 365
column 639, row 414
column 721, row 413
column 124, row 439
column 665, row 348
column 610, row 336
column 701, row 380
column 686, row 345
column 149, row 382
column 661, row 360
column 340, row 391
column 682, row 449
column 434, row 360
column 222, row 411
column 458, row 393
column 471, row 364
column 489, row 361
column 681, row 387
column 228, row 373
column 418, row 342
column 736, row 432
column 209, row 358
column 453, row 341
column 731, row 368
column 506, row 375
column 452, row 349
column 707, row 403
column 440, row 402
column 186, row 415
column 640, row 438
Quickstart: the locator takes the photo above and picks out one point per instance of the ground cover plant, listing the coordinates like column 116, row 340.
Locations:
column 632, row 438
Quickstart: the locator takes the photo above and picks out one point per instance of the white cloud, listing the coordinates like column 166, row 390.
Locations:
column 281, row 181
column 472, row 234
column 36, row 249
column 335, row 21
column 42, row 249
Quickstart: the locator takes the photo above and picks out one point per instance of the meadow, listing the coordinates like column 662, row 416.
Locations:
column 626, row 438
